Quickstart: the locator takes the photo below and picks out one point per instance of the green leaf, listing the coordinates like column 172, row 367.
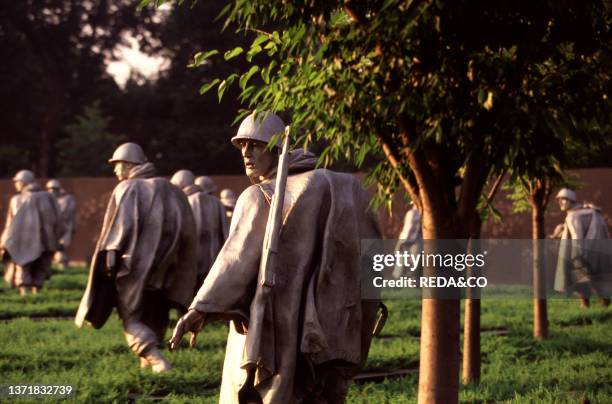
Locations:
column 143, row 4
column 200, row 57
column 245, row 77
column 260, row 40
column 230, row 79
column 221, row 89
column 206, row 87
column 233, row 53
column 253, row 52
column 265, row 73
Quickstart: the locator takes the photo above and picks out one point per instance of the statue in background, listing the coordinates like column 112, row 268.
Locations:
column 584, row 266
column 210, row 221
column 207, row 184
column 410, row 239
column 68, row 219
column 145, row 258
column 31, row 235
column 228, row 199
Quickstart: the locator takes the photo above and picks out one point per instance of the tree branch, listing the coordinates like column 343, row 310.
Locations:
column 494, row 190
column 394, row 161
column 355, row 16
column 431, row 192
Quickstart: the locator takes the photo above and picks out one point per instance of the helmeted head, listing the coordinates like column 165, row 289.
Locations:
column 228, row 198
column 125, row 157
column 183, row 178
column 566, row 198
column 261, row 127
column 53, row 185
column 254, row 134
column 207, row 184
column 23, row 178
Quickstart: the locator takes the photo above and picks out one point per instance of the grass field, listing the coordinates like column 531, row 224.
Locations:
column 40, row 345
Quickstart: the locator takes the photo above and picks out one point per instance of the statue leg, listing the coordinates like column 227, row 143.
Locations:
column 40, row 271
column 143, row 336
column 331, row 385
column 22, row 278
column 9, row 274
column 155, row 313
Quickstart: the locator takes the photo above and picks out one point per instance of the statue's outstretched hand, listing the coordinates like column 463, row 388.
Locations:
column 192, row 322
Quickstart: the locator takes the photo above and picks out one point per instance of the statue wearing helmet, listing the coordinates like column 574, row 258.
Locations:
column 145, row 257
column 68, row 219
column 210, row 222
column 584, row 266
column 30, row 236
column 207, row 184
column 305, row 307
column 228, row 199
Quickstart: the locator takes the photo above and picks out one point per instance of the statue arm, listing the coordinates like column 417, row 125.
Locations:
column 229, row 287
column 10, row 214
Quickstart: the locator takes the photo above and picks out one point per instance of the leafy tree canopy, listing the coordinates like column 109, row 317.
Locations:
column 451, row 81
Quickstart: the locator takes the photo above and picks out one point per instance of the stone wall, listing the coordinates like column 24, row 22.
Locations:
column 92, row 195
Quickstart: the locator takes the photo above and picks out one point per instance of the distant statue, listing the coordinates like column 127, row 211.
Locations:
column 410, row 238
column 68, row 219
column 145, row 258
column 228, row 199
column 207, row 184
column 31, row 235
column 210, row 221
column 305, row 341
column 585, row 260
column 558, row 231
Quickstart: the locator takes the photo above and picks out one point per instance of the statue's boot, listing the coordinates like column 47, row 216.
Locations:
column 158, row 363
column 35, row 290
column 585, row 303
column 23, row 291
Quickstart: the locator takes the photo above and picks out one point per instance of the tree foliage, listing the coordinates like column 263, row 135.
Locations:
column 88, row 145
column 54, row 55
column 450, row 79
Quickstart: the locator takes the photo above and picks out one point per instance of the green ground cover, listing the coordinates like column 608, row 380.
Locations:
column 40, row 345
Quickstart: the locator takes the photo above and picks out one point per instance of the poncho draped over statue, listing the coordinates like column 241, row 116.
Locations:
column 149, row 223
column 67, row 209
column 315, row 314
column 210, row 224
column 585, row 254
column 32, row 225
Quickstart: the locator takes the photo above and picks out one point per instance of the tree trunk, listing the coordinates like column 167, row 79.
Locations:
column 471, row 320
column 440, row 324
column 540, row 314
column 471, row 341
column 439, row 359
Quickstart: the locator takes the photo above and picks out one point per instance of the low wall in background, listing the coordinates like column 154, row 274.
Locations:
column 92, row 195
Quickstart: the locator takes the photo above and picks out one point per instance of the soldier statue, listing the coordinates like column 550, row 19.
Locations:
column 228, row 199
column 30, row 236
column 207, row 184
column 585, row 260
column 68, row 219
column 315, row 330
column 410, row 238
column 145, row 258
column 210, row 221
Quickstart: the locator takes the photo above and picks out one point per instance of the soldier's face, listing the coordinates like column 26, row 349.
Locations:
column 258, row 161
column 122, row 170
column 564, row 204
column 19, row 185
